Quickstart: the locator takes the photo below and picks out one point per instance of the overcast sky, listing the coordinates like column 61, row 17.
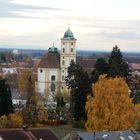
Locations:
column 97, row 24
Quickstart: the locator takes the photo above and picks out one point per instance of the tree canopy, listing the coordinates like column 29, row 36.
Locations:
column 117, row 65
column 110, row 107
column 80, row 85
column 6, row 106
column 101, row 67
column 23, row 80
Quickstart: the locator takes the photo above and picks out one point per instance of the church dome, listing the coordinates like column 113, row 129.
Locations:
column 69, row 34
column 53, row 49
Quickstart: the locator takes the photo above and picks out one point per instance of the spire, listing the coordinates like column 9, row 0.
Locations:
column 53, row 45
column 69, row 26
column 53, row 49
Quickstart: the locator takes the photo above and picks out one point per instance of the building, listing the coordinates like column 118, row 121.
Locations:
column 106, row 135
column 53, row 67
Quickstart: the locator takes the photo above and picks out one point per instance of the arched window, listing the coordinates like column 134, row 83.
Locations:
column 53, row 87
column 71, row 43
column 53, row 78
column 71, row 49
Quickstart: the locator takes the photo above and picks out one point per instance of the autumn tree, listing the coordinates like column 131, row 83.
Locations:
column 111, row 108
column 118, row 66
column 6, row 105
column 79, row 83
column 23, row 80
column 31, row 104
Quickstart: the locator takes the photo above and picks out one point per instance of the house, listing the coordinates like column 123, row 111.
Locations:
column 109, row 135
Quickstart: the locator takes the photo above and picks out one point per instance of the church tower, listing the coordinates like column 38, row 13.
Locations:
column 67, row 53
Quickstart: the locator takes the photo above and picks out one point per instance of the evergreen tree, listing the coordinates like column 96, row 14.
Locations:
column 134, row 85
column 62, row 103
column 6, row 105
column 79, row 83
column 101, row 67
column 118, row 67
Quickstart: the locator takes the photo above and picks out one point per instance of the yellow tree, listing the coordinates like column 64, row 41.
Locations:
column 66, row 94
column 23, row 80
column 110, row 107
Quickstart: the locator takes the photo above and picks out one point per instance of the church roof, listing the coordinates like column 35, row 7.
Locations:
column 50, row 60
column 53, row 49
column 86, row 64
column 68, row 35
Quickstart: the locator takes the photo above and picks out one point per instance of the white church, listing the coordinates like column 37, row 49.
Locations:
column 53, row 67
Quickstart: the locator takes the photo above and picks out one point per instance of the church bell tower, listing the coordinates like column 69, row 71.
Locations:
column 67, row 53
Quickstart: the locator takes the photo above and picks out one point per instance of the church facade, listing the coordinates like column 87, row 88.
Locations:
column 53, row 67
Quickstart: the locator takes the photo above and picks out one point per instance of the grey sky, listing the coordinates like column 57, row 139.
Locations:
column 97, row 24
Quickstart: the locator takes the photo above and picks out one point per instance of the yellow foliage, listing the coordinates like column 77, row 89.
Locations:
column 23, row 80
column 110, row 107
column 3, row 121
column 15, row 120
column 66, row 94
column 42, row 114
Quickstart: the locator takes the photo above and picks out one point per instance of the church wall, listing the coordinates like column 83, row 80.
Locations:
column 56, row 73
column 41, row 74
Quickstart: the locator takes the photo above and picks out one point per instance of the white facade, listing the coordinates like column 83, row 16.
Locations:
column 53, row 68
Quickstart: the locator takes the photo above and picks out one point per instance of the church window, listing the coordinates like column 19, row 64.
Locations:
column 63, row 62
column 71, row 43
column 41, row 70
column 63, row 50
column 52, row 87
column 63, row 43
column 63, row 57
column 63, row 71
column 53, row 77
column 71, row 49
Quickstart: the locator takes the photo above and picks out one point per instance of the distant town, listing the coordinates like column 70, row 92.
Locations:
column 63, row 93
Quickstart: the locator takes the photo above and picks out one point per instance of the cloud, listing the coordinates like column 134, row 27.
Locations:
column 9, row 9
column 121, row 35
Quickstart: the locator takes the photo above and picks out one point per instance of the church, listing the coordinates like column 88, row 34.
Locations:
column 53, row 67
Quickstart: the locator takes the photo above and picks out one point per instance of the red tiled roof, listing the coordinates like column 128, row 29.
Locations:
column 86, row 63
column 50, row 60
column 135, row 66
